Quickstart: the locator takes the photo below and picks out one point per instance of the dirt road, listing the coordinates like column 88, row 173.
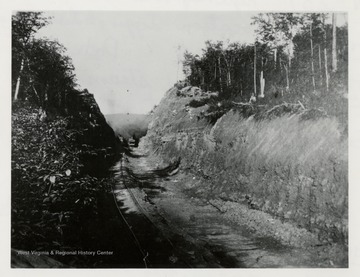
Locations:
column 202, row 232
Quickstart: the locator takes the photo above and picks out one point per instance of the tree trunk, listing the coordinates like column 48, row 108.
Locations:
column 215, row 72
column 325, row 57
column 255, row 69
column 326, row 70
column 287, row 78
column 280, row 62
column 312, row 59
column 320, row 67
column 334, row 54
column 275, row 57
column 228, row 71
column 213, row 81
column 220, row 73
column 215, row 75
column 262, row 84
column 262, row 80
column 17, row 88
column 37, row 94
column 288, row 74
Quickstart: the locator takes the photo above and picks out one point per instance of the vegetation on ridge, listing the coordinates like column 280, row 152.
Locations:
column 295, row 58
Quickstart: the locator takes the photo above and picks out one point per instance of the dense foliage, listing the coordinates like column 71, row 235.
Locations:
column 292, row 58
column 62, row 148
column 41, row 71
column 48, row 189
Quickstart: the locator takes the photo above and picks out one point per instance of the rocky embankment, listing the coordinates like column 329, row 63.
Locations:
column 287, row 162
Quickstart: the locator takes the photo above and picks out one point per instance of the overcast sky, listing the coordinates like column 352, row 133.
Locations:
column 116, row 52
column 129, row 59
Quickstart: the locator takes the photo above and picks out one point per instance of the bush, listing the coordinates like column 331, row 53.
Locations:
column 54, row 203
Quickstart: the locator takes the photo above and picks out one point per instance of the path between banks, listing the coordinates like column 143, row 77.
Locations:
column 200, row 232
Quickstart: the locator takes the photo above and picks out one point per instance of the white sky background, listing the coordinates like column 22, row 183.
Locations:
column 117, row 51
column 129, row 59
column 138, row 51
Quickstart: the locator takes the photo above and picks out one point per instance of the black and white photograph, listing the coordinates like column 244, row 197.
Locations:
column 179, row 139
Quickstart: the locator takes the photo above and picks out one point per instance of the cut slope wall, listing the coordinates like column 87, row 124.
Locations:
column 293, row 168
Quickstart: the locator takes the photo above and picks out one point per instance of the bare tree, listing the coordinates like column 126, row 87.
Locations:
column 255, row 68
column 312, row 58
column 334, row 55
column 262, row 80
column 24, row 26
column 325, row 55
column 320, row 66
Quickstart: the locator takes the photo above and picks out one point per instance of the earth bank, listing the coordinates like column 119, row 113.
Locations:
column 60, row 186
column 290, row 165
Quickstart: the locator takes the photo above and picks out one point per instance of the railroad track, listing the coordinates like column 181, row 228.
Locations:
column 127, row 180
column 136, row 240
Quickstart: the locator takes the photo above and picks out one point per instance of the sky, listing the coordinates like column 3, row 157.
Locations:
column 129, row 59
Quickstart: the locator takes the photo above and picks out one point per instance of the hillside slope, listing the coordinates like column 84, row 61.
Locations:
column 59, row 194
column 288, row 162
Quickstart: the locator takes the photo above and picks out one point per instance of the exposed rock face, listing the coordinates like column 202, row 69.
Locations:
column 190, row 91
column 290, row 166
